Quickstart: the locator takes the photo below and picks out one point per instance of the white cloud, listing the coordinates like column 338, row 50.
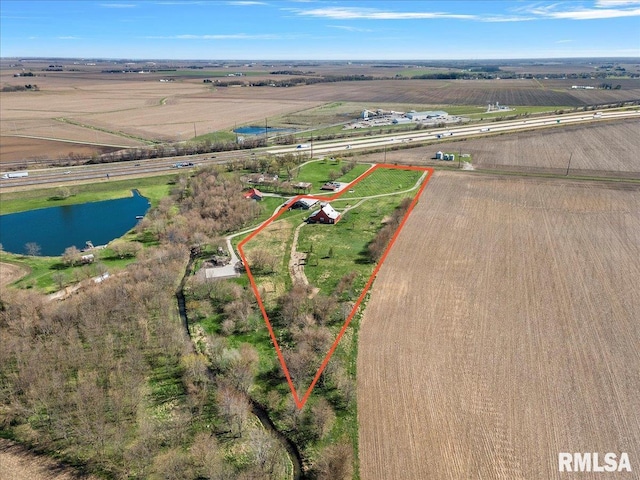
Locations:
column 505, row 18
column 68, row 37
column 350, row 29
column 231, row 36
column 564, row 41
column 616, row 3
column 353, row 13
column 552, row 11
column 564, row 10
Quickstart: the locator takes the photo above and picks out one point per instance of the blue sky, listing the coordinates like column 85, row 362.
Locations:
column 341, row 30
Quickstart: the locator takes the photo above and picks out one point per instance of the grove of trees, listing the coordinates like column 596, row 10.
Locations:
column 110, row 380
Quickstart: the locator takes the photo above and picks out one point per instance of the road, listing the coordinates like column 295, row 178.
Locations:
column 444, row 134
column 84, row 173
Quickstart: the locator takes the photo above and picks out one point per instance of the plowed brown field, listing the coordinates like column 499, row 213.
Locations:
column 503, row 329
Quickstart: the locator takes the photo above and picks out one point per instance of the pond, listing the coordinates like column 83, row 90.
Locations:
column 56, row 228
column 257, row 130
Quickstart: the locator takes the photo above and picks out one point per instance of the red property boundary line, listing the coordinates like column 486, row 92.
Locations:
column 300, row 402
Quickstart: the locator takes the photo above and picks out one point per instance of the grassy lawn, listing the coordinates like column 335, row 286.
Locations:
column 315, row 172
column 268, row 206
column 337, row 250
column 48, row 274
column 318, row 173
column 384, row 181
column 153, row 188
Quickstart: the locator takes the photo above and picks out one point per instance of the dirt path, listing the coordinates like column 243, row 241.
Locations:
column 18, row 463
column 297, row 261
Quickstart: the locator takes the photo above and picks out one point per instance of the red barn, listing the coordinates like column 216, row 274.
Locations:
column 325, row 215
column 253, row 194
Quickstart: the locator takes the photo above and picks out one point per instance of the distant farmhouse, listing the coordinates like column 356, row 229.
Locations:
column 326, row 214
column 253, row 194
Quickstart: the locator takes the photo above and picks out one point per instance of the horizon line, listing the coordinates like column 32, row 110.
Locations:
column 248, row 59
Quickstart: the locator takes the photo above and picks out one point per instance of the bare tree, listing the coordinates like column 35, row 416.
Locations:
column 323, row 417
column 335, row 463
column 262, row 261
column 60, row 279
column 71, row 256
column 208, row 458
column 32, row 249
column 173, row 464
column 234, row 408
column 265, row 451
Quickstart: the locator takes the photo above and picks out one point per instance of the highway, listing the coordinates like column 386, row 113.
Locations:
column 56, row 176
column 452, row 133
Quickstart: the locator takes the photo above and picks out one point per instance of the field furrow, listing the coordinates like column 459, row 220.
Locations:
column 502, row 330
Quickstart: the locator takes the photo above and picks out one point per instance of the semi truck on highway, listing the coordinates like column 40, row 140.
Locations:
column 15, row 175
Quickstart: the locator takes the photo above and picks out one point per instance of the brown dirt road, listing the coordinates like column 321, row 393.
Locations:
column 503, row 329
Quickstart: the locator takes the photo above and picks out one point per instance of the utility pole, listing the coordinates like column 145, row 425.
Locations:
column 195, row 133
column 568, row 165
column 266, row 131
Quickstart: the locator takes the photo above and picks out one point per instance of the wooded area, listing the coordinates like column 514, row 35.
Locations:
column 109, row 380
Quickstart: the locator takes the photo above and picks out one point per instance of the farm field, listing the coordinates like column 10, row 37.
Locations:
column 605, row 148
column 23, row 148
column 445, row 92
column 128, row 113
column 503, row 329
column 134, row 109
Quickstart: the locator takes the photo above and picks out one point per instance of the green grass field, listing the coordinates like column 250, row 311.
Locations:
column 216, row 137
column 318, row 173
column 384, row 181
